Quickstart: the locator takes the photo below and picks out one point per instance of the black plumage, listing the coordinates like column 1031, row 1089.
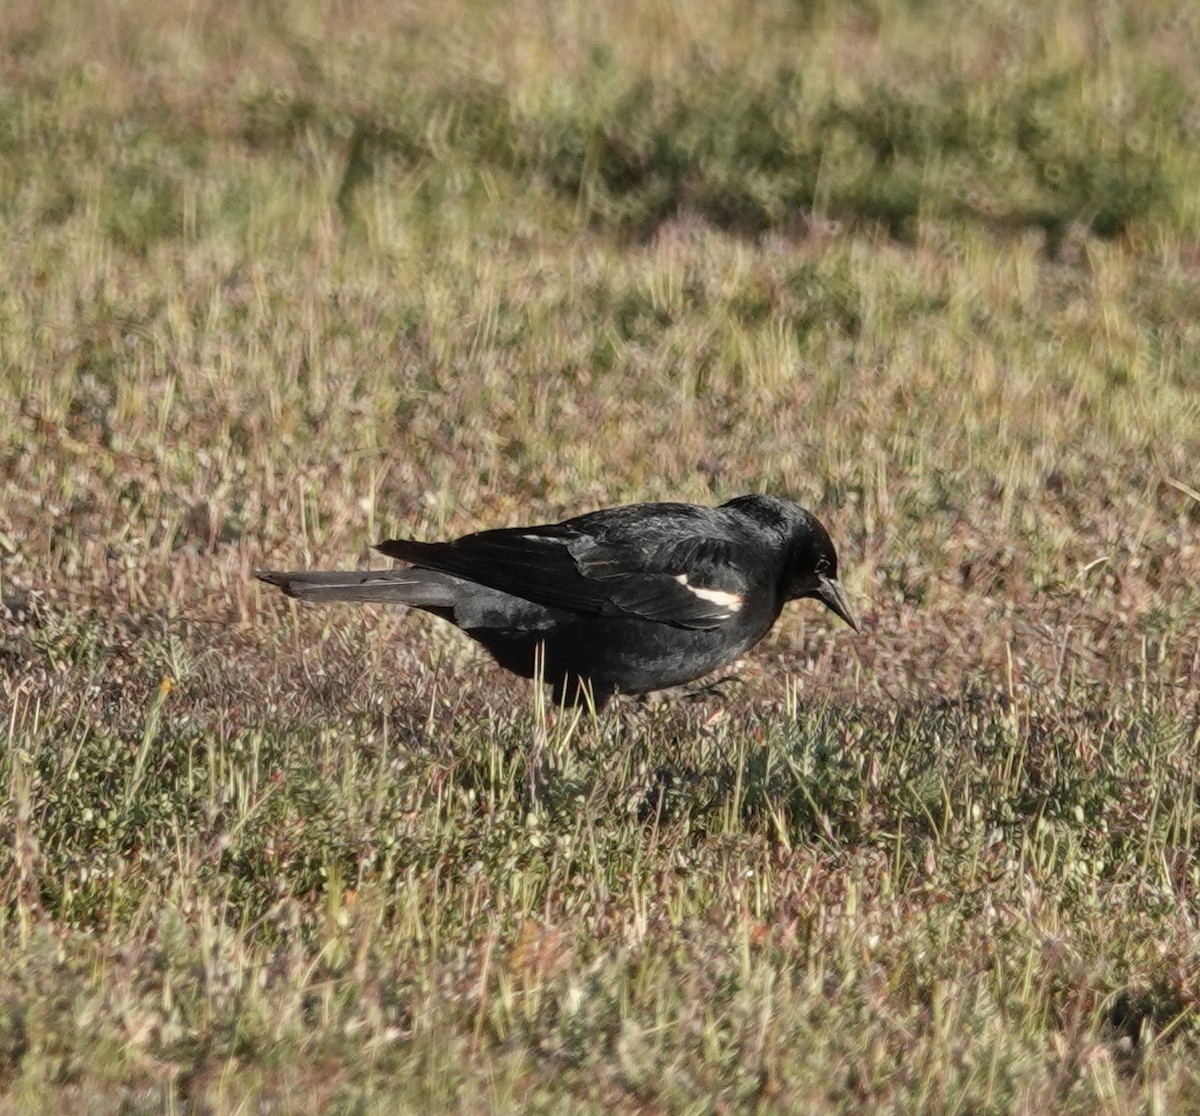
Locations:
column 622, row 600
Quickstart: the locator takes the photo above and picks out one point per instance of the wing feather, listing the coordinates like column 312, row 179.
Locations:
column 633, row 565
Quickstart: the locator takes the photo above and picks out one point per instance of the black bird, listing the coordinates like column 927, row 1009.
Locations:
column 622, row 600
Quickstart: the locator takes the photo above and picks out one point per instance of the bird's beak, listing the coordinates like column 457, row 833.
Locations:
column 831, row 594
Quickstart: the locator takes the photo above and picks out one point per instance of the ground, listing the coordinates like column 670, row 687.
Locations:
column 285, row 279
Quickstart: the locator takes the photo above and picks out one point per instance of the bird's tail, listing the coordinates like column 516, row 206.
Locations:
column 414, row 587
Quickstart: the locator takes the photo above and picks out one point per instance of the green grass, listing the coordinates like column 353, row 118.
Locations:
column 284, row 279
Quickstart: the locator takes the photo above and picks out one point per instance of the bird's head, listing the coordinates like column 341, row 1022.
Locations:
column 813, row 570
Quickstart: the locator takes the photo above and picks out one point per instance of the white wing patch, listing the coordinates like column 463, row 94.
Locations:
column 722, row 598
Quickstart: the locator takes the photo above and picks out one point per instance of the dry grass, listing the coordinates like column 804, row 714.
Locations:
column 285, row 278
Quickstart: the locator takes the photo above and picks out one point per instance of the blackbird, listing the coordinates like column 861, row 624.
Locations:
column 622, row 600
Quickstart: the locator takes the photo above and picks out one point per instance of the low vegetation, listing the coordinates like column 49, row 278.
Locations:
column 283, row 279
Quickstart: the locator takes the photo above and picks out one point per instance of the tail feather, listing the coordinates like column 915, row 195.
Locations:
column 417, row 588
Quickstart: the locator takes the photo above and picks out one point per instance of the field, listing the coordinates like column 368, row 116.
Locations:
column 283, row 279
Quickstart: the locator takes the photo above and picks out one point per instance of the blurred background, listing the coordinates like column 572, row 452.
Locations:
column 284, row 277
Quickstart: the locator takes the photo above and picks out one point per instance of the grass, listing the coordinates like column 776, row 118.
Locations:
column 284, row 279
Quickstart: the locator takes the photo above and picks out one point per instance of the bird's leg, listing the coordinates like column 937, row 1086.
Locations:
column 715, row 688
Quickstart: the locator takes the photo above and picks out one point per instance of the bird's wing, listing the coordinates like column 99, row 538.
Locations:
column 693, row 582
column 671, row 572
